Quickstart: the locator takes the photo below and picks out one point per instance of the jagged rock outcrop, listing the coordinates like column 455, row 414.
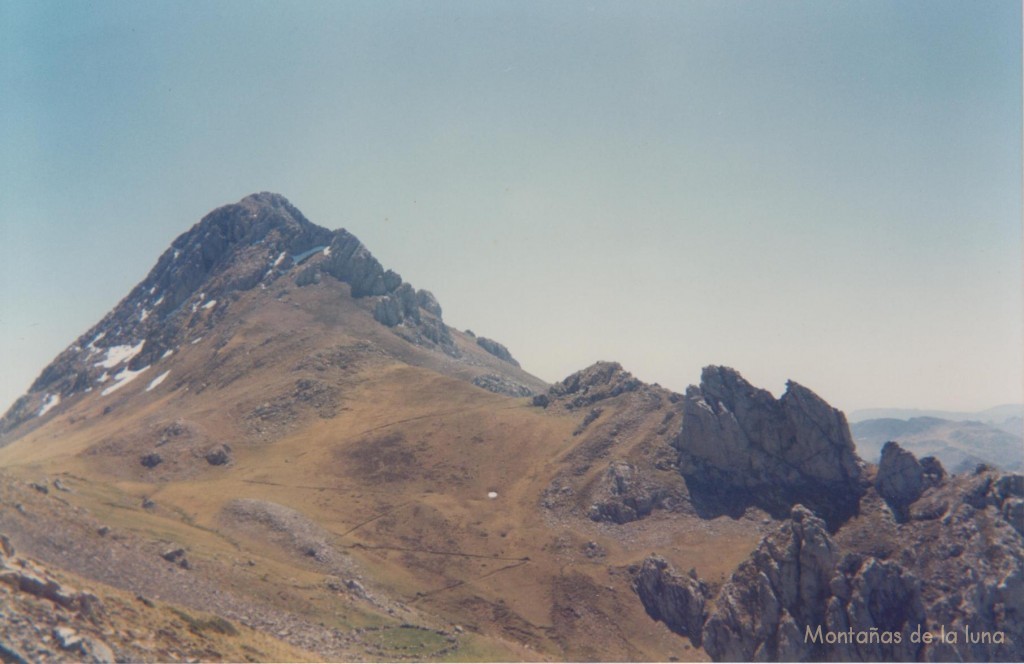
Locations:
column 739, row 446
column 399, row 307
column 794, row 584
column 599, row 381
column 496, row 349
column 676, row 600
column 428, row 302
column 625, row 495
column 901, row 478
column 1005, row 493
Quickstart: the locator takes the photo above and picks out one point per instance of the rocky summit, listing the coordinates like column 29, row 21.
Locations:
column 275, row 449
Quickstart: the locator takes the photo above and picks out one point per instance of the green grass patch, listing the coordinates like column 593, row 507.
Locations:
column 408, row 641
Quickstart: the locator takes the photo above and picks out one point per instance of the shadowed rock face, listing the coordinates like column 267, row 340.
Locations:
column 901, row 478
column 676, row 600
column 739, row 446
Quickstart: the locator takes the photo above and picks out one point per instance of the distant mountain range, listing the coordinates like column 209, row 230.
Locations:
column 960, row 440
column 1009, row 417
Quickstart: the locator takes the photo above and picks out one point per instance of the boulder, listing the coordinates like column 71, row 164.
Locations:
column 219, row 455
column 151, row 460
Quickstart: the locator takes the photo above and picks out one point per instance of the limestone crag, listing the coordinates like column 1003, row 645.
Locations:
column 1004, row 492
column 739, row 446
column 678, row 601
column 901, row 478
column 398, row 307
column 796, row 582
column 624, row 494
column 599, row 381
column 496, row 349
column 428, row 302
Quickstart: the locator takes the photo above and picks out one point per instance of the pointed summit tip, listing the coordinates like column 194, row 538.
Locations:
column 268, row 198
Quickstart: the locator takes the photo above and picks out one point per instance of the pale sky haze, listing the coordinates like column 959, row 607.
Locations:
column 822, row 191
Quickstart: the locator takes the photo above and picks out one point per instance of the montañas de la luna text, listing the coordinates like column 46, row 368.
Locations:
column 874, row 635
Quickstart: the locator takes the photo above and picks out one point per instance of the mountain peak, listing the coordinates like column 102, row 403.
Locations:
column 232, row 250
column 265, row 198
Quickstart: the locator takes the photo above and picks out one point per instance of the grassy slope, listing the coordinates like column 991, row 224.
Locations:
column 399, row 476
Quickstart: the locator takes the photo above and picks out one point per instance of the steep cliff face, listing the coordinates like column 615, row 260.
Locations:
column 739, row 446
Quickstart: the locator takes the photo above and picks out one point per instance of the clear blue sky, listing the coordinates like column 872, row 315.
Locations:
column 823, row 191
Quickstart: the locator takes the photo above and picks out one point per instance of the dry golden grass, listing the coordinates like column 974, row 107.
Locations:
column 399, row 477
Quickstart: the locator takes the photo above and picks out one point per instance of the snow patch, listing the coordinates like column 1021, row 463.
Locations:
column 144, row 315
column 118, row 354
column 104, row 378
column 49, row 404
column 158, row 301
column 492, row 494
column 123, row 378
column 327, row 251
column 284, row 254
column 195, row 341
column 156, row 381
column 210, row 305
column 167, row 353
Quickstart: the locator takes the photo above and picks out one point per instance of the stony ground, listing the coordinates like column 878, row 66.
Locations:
column 45, row 617
column 52, row 616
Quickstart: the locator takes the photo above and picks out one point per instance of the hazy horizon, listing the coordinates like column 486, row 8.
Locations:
column 823, row 192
